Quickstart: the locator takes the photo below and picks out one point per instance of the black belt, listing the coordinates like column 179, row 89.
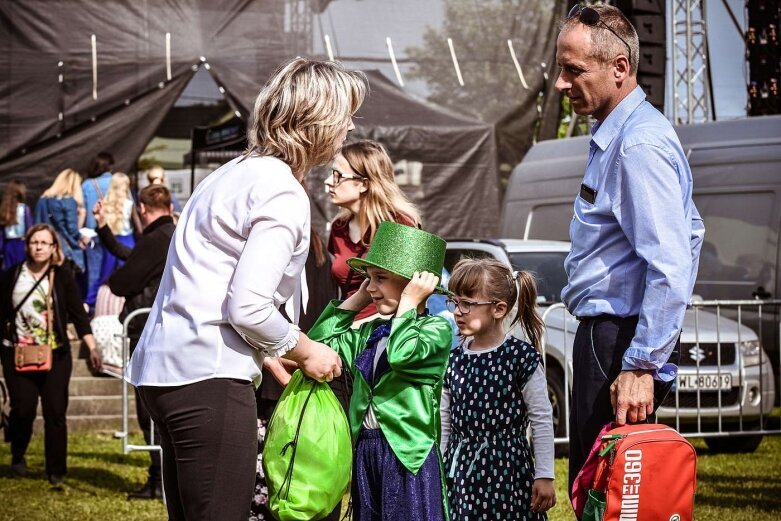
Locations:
column 605, row 316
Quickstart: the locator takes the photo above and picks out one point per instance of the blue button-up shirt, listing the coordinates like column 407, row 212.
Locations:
column 635, row 249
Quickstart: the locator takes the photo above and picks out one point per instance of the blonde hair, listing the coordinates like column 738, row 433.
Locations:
column 57, row 257
column 302, row 110
column 383, row 200
column 114, row 203
column 66, row 184
column 155, row 175
column 494, row 280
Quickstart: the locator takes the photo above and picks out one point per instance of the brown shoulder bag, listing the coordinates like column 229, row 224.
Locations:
column 37, row 357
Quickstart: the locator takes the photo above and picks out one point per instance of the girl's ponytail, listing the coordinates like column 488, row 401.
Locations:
column 527, row 308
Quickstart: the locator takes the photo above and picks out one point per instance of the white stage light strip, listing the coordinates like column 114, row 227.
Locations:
column 393, row 60
column 168, row 56
column 455, row 61
column 94, row 67
column 517, row 65
column 328, row 48
column 60, row 80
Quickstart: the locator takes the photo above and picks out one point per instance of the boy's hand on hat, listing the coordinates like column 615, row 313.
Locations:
column 358, row 300
column 421, row 285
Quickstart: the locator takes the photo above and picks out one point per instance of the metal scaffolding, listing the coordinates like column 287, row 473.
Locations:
column 298, row 26
column 691, row 101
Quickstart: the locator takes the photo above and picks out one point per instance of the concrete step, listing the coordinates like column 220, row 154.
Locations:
column 108, row 423
column 95, row 402
column 99, row 405
column 91, row 386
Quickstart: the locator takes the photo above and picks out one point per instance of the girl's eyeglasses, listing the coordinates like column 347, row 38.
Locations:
column 465, row 305
column 589, row 16
column 337, row 177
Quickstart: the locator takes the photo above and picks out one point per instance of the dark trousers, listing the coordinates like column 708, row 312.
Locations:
column 597, row 357
column 52, row 388
column 145, row 422
column 208, row 432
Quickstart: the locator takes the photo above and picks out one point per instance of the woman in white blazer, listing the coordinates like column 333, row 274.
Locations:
column 237, row 254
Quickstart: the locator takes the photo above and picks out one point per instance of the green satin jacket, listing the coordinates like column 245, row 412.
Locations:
column 406, row 398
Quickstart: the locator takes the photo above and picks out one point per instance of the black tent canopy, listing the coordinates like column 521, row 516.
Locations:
column 80, row 77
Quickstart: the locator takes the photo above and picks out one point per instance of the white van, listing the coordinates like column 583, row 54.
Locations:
column 736, row 167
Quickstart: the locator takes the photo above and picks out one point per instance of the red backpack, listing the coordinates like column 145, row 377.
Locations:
column 637, row 472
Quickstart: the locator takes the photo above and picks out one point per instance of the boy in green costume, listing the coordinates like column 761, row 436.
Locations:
column 398, row 365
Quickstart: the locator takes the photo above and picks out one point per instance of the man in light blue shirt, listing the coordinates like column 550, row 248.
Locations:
column 636, row 234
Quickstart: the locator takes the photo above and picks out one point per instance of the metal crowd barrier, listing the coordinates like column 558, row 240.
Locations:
column 128, row 447
column 716, row 394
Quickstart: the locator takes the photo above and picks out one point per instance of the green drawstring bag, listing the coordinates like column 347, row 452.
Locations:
column 595, row 506
column 308, row 452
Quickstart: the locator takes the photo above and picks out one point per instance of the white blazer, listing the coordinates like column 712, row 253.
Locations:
column 237, row 254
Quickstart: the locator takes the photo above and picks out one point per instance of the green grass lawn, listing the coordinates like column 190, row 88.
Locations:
column 739, row 487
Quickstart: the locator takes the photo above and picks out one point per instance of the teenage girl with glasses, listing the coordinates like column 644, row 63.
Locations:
column 362, row 184
column 494, row 388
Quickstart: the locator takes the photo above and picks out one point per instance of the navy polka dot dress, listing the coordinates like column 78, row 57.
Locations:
column 488, row 463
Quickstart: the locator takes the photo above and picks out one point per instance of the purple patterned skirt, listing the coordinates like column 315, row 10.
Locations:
column 383, row 489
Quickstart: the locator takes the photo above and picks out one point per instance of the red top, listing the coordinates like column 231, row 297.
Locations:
column 342, row 248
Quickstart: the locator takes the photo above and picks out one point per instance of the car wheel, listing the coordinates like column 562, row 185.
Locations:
column 735, row 444
column 556, row 394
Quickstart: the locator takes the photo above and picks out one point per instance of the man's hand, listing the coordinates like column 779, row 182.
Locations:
column 632, row 396
column 315, row 360
column 418, row 289
column 99, row 212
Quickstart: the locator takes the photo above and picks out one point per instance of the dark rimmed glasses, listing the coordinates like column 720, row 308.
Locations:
column 465, row 306
column 337, row 177
column 589, row 16
column 42, row 244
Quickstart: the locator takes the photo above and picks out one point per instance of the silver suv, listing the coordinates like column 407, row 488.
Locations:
column 737, row 386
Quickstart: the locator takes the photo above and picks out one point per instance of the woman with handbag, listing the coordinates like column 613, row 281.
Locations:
column 38, row 298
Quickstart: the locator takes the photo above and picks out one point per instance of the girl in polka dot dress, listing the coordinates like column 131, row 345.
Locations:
column 493, row 389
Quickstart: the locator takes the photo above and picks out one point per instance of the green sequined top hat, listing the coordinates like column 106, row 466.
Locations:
column 403, row 250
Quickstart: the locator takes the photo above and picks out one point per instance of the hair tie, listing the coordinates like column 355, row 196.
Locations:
column 516, row 275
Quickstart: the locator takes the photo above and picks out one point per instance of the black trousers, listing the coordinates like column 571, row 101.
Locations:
column 597, row 357
column 24, row 389
column 145, row 423
column 208, row 432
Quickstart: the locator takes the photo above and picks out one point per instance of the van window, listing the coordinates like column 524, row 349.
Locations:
column 738, row 254
column 550, row 221
column 548, row 270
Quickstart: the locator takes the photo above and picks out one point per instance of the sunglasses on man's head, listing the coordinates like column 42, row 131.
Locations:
column 590, row 17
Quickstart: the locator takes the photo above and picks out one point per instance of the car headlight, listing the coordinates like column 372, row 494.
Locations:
column 750, row 351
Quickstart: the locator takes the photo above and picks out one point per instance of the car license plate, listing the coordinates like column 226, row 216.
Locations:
column 705, row 382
